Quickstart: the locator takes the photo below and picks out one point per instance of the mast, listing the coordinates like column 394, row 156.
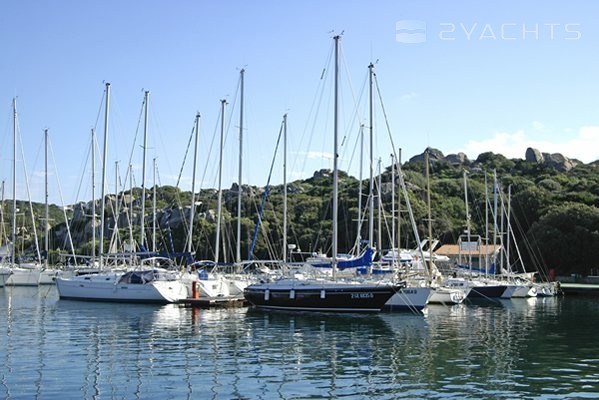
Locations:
column 238, row 248
column 429, row 215
column 131, row 240
column 380, row 208
column 193, row 184
column 494, row 221
column 359, row 230
column 467, row 218
column 501, row 233
column 46, row 196
column 398, row 209
column 2, row 230
column 154, row 207
column 223, row 103
column 93, row 194
column 393, row 207
column 115, row 233
column 285, row 187
column 14, row 178
column 508, row 229
column 371, row 128
column 143, row 173
column 486, row 222
column 335, row 156
column 106, row 113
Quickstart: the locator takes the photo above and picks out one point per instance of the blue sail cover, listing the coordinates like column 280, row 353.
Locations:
column 364, row 260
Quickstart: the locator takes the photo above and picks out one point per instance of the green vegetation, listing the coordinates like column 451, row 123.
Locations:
column 554, row 215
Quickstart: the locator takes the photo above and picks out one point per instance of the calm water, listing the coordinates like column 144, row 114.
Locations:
column 58, row 349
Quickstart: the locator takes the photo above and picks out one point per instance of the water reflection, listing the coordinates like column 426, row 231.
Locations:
column 521, row 348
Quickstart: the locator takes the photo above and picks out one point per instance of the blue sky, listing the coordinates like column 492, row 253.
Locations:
column 460, row 76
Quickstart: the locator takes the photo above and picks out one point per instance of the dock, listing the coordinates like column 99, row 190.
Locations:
column 224, row 301
column 586, row 289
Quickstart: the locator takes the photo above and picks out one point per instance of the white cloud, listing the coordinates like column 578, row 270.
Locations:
column 580, row 144
column 319, row 155
column 538, row 126
column 404, row 98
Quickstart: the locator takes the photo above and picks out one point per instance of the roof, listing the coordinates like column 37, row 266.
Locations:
column 454, row 250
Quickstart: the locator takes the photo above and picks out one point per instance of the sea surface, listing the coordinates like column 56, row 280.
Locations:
column 543, row 348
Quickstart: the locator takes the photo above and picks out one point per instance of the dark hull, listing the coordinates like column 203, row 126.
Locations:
column 486, row 292
column 323, row 299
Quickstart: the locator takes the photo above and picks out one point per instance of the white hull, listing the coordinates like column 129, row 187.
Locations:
column 547, row 289
column 106, row 287
column 218, row 285
column 445, row 295
column 409, row 298
column 509, row 292
column 525, row 291
column 24, row 277
column 4, row 274
column 49, row 275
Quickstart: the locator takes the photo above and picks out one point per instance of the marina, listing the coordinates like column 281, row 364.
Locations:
column 541, row 347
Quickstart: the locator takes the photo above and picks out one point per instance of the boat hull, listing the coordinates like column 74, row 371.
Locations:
column 4, row 275
column 486, row 292
column 409, row 298
column 444, row 295
column 105, row 287
column 334, row 297
column 24, row 277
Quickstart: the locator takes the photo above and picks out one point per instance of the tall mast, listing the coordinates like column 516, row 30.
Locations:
column 467, row 218
column 115, row 232
column 335, row 157
column 14, row 178
column 2, row 230
column 193, row 184
column 486, row 222
column 2, row 227
column 393, row 206
column 399, row 207
column 238, row 248
column 46, row 196
column 379, row 207
column 93, row 149
column 106, row 113
column 131, row 239
column 494, row 222
column 428, row 206
column 143, row 173
column 285, row 187
column 154, row 206
column 359, row 230
column 223, row 103
column 508, row 229
column 371, row 189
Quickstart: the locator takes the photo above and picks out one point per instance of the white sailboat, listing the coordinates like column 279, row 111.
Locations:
column 415, row 294
column 154, row 280
column 47, row 275
column 148, row 283
column 23, row 274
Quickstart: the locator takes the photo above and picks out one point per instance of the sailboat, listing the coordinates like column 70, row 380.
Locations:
column 415, row 294
column 23, row 273
column 323, row 294
column 482, row 286
column 47, row 274
column 212, row 282
column 155, row 280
